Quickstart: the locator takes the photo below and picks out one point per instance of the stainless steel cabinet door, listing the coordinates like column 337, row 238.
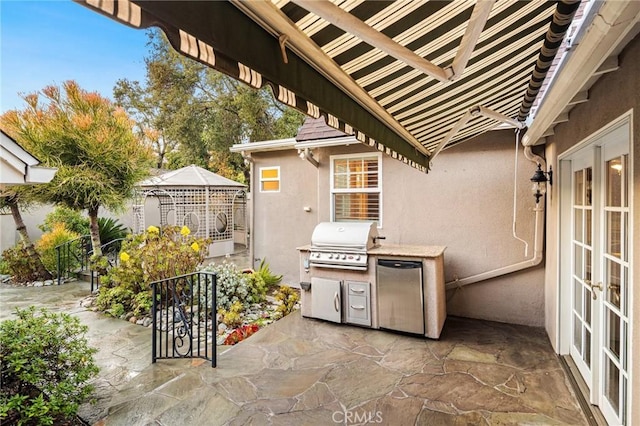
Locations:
column 326, row 300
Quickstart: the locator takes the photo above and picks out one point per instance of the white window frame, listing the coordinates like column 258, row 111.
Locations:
column 278, row 179
column 334, row 190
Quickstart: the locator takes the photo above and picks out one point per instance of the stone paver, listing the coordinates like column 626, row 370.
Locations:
column 349, row 375
column 302, row 371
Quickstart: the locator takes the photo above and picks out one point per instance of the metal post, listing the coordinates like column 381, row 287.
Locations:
column 214, row 319
column 153, row 322
column 58, row 263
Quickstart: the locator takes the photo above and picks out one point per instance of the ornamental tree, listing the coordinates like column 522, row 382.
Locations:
column 89, row 140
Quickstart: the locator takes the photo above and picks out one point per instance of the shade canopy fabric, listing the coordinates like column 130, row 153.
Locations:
column 190, row 176
column 397, row 75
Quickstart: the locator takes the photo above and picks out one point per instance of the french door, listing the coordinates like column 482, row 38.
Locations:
column 600, row 276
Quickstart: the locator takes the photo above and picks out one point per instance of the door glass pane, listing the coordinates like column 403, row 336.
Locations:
column 587, row 186
column 613, row 282
column 587, row 227
column 624, row 285
column 625, row 183
column 577, row 268
column 614, row 182
column 577, row 225
column 587, row 348
column 612, row 385
column 587, row 304
column 614, row 229
column 613, row 328
column 625, row 236
column 587, row 264
column 578, row 188
column 577, row 333
column 577, row 297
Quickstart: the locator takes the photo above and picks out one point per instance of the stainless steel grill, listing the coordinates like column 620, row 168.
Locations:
column 343, row 245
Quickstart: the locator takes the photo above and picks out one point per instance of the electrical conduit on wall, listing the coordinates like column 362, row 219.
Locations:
column 537, row 242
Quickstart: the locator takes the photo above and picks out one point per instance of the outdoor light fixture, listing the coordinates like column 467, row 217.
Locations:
column 540, row 180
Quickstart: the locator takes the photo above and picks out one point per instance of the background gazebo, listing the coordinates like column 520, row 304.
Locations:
column 211, row 206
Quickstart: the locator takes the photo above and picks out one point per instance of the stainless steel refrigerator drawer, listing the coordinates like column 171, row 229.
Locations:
column 400, row 295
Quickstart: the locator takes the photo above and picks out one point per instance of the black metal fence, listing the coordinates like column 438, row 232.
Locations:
column 111, row 252
column 184, row 317
column 73, row 257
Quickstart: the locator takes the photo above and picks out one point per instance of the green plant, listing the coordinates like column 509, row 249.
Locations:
column 111, row 229
column 232, row 285
column 20, row 265
column 233, row 317
column 145, row 258
column 73, row 220
column 46, row 247
column 46, row 365
column 267, row 276
column 4, row 267
column 257, row 287
column 289, row 297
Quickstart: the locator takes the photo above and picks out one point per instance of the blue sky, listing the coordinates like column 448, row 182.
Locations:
column 49, row 42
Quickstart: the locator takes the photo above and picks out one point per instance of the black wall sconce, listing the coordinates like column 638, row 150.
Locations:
column 540, row 180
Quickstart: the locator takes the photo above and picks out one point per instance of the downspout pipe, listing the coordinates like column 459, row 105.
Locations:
column 249, row 160
column 537, row 257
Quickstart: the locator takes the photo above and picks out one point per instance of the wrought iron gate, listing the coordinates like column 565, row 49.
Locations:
column 184, row 317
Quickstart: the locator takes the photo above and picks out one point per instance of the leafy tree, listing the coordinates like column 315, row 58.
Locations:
column 191, row 114
column 89, row 140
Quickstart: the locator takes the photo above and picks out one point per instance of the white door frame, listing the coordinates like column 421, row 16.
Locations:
column 563, row 293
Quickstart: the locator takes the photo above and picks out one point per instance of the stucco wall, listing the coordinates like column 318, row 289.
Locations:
column 612, row 96
column 464, row 203
column 280, row 223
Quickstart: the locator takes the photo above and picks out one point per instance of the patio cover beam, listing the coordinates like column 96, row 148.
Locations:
column 349, row 23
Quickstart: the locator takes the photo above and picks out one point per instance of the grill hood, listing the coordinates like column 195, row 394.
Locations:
column 356, row 236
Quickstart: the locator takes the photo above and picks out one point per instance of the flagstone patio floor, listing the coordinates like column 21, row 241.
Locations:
column 308, row 372
column 301, row 371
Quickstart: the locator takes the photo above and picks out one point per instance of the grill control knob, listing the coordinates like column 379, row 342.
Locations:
column 358, row 257
column 330, row 256
column 344, row 256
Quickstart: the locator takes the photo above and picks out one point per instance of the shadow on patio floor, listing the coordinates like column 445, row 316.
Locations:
column 301, row 371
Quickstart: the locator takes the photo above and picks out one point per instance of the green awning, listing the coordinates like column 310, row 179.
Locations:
column 393, row 74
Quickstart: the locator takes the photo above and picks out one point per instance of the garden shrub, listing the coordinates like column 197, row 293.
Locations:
column 289, row 297
column 233, row 286
column 20, row 265
column 264, row 272
column 46, row 247
column 232, row 318
column 145, row 258
column 4, row 267
column 46, row 364
column 73, row 220
column 111, row 229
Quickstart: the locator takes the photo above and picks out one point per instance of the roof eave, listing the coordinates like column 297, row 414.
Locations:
column 605, row 32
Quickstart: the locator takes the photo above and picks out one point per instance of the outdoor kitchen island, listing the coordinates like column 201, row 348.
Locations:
column 344, row 295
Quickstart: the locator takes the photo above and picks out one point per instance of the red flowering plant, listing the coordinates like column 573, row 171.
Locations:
column 241, row 333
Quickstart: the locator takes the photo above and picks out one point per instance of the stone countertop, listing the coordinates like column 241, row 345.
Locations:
column 405, row 250
column 400, row 250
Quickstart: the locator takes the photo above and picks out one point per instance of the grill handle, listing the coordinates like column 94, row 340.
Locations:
column 336, row 302
column 376, row 238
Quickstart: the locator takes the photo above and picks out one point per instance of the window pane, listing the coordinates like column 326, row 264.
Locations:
column 613, row 283
column 587, row 186
column 614, row 182
column 577, row 225
column 269, row 173
column 612, row 385
column 614, row 334
column 340, row 166
column 613, row 233
column 356, row 206
column 272, row 185
column 578, row 188
column 587, row 227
